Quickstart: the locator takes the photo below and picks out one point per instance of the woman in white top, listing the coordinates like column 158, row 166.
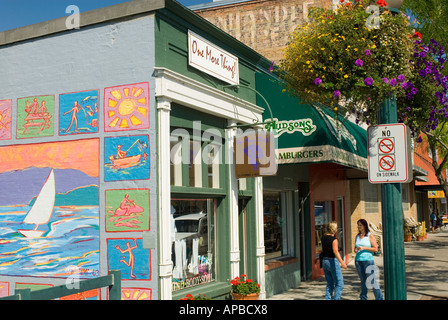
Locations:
column 365, row 246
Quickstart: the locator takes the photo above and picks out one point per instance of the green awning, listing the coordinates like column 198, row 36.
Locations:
column 311, row 133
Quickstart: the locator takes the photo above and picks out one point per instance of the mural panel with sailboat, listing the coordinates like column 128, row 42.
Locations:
column 49, row 209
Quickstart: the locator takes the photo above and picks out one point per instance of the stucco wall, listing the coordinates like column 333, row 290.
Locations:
column 108, row 69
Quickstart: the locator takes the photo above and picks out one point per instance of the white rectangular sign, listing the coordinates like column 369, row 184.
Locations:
column 389, row 153
column 211, row 59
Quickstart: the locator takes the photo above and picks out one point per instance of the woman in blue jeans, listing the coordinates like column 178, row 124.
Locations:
column 365, row 246
column 332, row 262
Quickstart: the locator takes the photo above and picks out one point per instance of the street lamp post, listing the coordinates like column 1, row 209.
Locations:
column 392, row 217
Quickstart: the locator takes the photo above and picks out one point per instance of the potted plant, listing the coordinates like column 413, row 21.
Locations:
column 420, row 234
column 407, row 234
column 244, row 289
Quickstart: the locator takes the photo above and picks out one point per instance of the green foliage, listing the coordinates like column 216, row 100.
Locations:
column 244, row 286
column 349, row 58
column 339, row 60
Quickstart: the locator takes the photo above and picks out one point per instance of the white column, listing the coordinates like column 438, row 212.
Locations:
column 260, row 236
column 164, row 198
column 233, row 204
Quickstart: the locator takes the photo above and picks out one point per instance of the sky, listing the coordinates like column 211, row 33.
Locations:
column 19, row 13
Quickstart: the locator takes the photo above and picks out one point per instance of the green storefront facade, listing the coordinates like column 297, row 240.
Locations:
column 317, row 154
column 195, row 225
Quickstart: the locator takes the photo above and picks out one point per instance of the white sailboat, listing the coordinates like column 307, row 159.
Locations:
column 40, row 212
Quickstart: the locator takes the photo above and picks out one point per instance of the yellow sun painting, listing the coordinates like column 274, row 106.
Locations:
column 126, row 107
column 136, row 294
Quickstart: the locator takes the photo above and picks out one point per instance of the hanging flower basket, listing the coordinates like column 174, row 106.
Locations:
column 352, row 59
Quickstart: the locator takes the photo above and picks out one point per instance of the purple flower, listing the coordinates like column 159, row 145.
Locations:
column 422, row 73
column 393, row 82
column 368, row 81
column 422, row 54
column 419, row 140
column 414, row 91
column 427, row 70
column 401, row 78
column 385, row 80
column 317, row 81
column 368, row 52
column 337, row 93
column 359, row 63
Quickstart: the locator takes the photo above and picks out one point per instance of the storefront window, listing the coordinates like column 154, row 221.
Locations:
column 371, row 197
column 193, row 158
column 193, row 248
column 322, row 216
column 274, row 225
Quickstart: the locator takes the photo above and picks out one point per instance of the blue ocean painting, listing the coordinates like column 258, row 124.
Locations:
column 78, row 112
column 126, row 158
column 129, row 256
column 69, row 241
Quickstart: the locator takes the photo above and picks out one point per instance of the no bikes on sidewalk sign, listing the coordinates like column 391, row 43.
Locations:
column 389, row 153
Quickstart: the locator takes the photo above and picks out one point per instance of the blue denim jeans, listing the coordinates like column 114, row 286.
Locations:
column 366, row 272
column 333, row 275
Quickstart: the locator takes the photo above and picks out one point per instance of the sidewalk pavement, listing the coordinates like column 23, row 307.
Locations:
column 426, row 274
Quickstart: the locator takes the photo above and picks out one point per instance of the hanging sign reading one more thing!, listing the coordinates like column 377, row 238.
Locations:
column 389, row 153
column 212, row 60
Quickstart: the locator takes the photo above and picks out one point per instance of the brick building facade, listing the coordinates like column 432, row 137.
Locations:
column 263, row 25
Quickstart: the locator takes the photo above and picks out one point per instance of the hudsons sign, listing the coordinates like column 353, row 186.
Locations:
column 306, row 126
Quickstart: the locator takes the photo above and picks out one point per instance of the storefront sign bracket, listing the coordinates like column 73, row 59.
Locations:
column 271, row 120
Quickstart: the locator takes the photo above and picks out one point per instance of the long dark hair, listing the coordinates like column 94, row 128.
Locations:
column 365, row 224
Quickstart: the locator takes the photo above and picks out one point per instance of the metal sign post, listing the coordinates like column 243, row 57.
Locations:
column 392, row 216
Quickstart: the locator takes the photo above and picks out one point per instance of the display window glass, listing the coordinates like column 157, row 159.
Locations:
column 193, row 242
column 322, row 216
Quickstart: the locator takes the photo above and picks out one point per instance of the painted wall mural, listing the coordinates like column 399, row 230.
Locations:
column 126, row 158
column 127, row 210
column 5, row 119
column 129, row 256
column 4, row 289
column 50, row 215
column 49, row 200
column 126, row 107
column 78, row 112
column 136, row 294
column 35, row 116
